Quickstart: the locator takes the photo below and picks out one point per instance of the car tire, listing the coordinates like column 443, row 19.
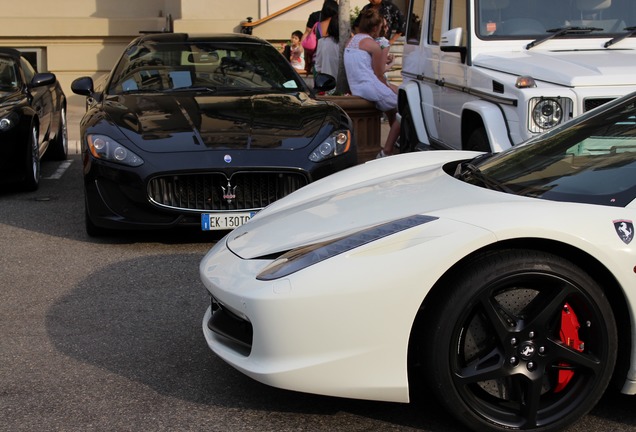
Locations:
column 59, row 147
column 31, row 180
column 507, row 352
column 478, row 141
column 408, row 136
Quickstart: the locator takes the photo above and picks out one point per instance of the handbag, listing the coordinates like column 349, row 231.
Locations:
column 310, row 42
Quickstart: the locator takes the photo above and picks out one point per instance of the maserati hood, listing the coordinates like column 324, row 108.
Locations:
column 183, row 122
column 566, row 68
column 357, row 198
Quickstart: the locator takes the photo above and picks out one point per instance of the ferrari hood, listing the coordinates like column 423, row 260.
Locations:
column 183, row 122
column 360, row 197
column 567, row 68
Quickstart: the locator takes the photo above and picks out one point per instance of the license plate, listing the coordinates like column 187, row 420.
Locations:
column 224, row 221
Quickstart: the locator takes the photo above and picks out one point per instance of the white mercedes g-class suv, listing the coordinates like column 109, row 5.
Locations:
column 488, row 74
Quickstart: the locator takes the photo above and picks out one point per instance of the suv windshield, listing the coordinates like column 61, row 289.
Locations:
column 510, row 19
column 214, row 67
column 590, row 160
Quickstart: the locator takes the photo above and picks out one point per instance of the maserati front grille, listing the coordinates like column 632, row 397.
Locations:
column 216, row 192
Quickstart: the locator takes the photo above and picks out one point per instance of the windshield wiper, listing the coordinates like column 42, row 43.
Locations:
column 556, row 32
column 468, row 171
column 631, row 31
column 195, row 89
column 141, row 91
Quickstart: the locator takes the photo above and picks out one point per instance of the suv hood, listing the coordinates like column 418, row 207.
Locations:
column 566, row 68
column 180, row 122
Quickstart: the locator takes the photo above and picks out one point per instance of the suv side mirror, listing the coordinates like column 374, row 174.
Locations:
column 451, row 42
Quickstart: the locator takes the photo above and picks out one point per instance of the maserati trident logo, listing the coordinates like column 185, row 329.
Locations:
column 625, row 230
column 229, row 192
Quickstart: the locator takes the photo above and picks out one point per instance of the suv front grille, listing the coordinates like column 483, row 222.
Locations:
column 215, row 192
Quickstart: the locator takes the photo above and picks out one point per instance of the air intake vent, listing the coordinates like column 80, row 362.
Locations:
column 593, row 103
column 497, row 87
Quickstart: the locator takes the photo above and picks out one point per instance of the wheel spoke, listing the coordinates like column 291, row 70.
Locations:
column 574, row 358
column 550, row 307
column 484, row 368
column 500, row 320
column 530, row 397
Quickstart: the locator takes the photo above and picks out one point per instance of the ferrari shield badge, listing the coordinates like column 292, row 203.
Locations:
column 625, row 230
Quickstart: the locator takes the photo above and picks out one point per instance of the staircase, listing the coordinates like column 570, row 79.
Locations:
column 395, row 74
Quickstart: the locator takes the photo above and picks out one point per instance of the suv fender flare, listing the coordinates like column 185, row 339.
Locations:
column 410, row 98
column 493, row 121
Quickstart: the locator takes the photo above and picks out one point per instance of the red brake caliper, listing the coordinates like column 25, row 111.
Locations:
column 570, row 336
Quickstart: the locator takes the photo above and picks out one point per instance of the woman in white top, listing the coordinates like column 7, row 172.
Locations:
column 365, row 64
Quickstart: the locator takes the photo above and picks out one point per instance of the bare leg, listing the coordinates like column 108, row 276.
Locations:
column 391, row 138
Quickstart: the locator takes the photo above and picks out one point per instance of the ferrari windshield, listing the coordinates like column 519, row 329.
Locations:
column 591, row 159
column 514, row 19
column 203, row 66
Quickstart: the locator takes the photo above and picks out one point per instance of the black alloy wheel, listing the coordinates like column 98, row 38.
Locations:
column 32, row 164
column 59, row 147
column 527, row 341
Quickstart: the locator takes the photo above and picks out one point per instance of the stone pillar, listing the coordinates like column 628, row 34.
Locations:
column 366, row 124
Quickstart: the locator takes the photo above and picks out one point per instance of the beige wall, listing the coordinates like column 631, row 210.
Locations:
column 85, row 37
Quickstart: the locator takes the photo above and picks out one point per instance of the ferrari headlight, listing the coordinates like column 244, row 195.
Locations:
column 298, row 259
column 105, row 148
column 546, row 113
column 338, row 143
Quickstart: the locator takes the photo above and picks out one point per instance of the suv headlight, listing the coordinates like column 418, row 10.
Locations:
column 105, row 148
column 546, row 113
column 338, row 143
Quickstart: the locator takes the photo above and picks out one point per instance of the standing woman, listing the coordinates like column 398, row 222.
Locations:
column 314, row 18
column 365, row 64
column 392, row 14
column 327, row 56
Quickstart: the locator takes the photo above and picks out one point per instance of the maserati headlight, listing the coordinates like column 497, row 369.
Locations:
column 546, row 113
column 8, row 121
column 338, row 143
column 5, row 124
column 105, row 148
column 300, row 258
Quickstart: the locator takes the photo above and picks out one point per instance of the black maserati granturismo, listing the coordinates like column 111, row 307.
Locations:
column 204, row 131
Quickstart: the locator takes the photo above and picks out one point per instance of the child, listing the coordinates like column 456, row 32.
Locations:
column 385, row 45
column 297, row 55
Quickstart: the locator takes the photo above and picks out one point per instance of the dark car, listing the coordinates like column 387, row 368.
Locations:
column 202, row 131
column 32, row 120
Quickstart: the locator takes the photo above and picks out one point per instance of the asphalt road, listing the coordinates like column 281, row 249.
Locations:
column 105, row 335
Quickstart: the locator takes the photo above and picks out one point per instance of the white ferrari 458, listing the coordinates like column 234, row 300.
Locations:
column 504, row 283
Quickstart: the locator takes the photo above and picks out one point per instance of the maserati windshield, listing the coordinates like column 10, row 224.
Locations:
column 220, row 67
